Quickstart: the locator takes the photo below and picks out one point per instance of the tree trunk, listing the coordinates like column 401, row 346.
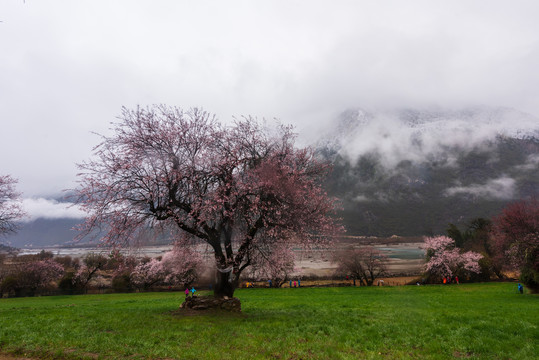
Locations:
column 224, row 285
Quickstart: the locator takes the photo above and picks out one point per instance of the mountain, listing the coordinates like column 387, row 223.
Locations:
column 405, row 172
column 44, row 232
column 411, row 172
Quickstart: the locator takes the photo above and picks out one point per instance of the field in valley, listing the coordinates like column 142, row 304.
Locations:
column 481, row 321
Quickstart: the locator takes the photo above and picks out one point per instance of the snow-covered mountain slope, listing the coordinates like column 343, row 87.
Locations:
column 423, row 135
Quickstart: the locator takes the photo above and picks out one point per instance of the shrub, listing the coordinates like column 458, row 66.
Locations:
column 122, row 282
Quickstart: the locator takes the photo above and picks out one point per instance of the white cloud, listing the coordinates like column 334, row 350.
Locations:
column 501, row 188
column 50, row 209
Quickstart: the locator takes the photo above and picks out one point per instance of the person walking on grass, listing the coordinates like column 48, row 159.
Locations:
column 186, row 292
column 193, row 291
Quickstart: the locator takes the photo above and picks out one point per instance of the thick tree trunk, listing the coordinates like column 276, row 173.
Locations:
column 224, row 285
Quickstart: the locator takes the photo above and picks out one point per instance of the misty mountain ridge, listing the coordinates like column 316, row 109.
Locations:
column 411, row 172
column 404, row 172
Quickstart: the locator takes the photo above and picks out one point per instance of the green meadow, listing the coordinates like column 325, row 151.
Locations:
column 473, row 321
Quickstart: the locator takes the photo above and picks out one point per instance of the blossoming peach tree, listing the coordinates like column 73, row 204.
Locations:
column 444, row 259
column 237, row 187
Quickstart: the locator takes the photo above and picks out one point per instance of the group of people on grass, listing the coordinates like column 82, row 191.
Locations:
column 193, row 291
column 448, row 280
column 295, row 283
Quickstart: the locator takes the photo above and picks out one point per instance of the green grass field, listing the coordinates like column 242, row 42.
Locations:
column 487, row 321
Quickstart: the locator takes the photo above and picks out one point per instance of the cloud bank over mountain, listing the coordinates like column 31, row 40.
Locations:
column 50, row 209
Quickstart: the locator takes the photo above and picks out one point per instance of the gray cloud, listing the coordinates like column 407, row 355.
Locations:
column 70, row 66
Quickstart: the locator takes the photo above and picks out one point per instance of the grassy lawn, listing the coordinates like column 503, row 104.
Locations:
column 488, row 321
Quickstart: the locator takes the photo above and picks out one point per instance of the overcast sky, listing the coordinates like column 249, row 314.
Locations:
column 67, row 67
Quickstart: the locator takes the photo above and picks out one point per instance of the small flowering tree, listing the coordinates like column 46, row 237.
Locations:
column 10, row 206
column 90, row 265
column 365, row 264
column 225, row 185
column 40, row 274
column 446, row 260
column 515, row 237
